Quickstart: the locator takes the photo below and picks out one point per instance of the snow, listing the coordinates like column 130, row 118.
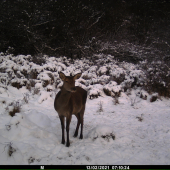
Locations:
column 44, row 96
column 135, row 131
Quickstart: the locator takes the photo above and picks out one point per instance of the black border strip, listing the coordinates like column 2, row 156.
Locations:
column 118, row 167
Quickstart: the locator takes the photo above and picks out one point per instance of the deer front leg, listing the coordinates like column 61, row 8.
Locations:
column 68, row 120
column 62, row 127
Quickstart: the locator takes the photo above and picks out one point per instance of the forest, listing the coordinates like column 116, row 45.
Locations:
column 80, row 28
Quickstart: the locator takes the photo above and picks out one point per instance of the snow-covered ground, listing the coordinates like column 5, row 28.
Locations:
column 126, row 129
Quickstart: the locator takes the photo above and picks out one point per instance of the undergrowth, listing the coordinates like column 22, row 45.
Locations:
column 13, row 108
column 104, row 70
column 157, row 77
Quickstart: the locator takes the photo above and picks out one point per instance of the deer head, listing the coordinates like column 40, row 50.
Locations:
column 69, row 81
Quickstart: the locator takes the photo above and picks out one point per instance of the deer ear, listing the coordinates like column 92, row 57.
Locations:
column 77, row 76
column 62, row 76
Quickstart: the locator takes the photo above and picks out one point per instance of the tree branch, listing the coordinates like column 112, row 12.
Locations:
column 95, row 21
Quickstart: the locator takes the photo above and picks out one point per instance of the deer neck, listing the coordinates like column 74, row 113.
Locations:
column 65, row 96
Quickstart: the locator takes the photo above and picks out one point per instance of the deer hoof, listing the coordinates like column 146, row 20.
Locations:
column 63, row 142
column 81, row 137
column 75, row 135
column 68, row 144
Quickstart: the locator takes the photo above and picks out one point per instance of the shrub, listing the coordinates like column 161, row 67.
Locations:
column 26, row 97
column 116, row 100
column 38, row 59
column 36, row 91
column 112, row 89
column 143, row 96
column 19, row 83
column 134, row 100
column 31, row 160
column 11, row 149
column 16, row 108
column 140, row 118
column 52, row 78
column 158, row 77
column 100, row 109
column 108, row 136
column 31, row 83
column 154, row 97
column 45, row 83
column 119, row 79
column 33, row 74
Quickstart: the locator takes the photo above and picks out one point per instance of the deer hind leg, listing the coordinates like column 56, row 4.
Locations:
column 62, row 127
column 78, row 124
column 68, row 120
column 81, row 122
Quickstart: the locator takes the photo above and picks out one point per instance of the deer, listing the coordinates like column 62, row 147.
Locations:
column 70, row 100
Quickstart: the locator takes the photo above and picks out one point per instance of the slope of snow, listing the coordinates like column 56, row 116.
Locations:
column 135, row 131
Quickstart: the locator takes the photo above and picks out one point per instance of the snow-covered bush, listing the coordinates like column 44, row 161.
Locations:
column 36, row 91
column 154, row 97
column 31, row 83
column 112, row 89
column 18, row 83
column 95, row 91
column 104, row 70
column 46, row 77
column 117, row 73
column 157, row 76
column 143, row 95
column 102, row 131
column 102, row 76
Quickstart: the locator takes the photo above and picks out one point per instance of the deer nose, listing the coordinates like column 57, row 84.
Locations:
column 73, row 89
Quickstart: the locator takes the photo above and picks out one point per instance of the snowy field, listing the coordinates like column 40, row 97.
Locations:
column 120, row 126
